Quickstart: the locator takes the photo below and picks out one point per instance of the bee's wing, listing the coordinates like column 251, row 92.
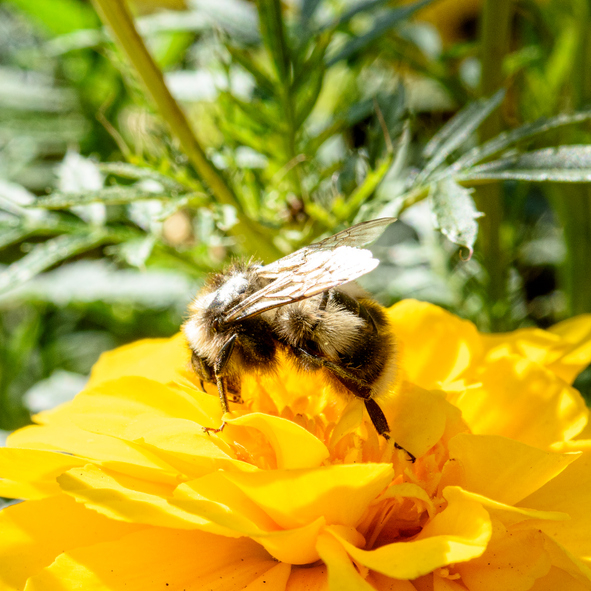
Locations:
column 356, row 236
column 313, row 269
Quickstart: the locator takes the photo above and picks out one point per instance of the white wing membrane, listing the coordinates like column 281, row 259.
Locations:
column 314, row 269
column 355, row 236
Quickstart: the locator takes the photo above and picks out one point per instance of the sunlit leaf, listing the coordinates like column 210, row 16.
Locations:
column 452, row 135
column 565, row 164
column 116, row 195
column 455, row 212
column 42, row 256
column 385, row 22
column 508, row 138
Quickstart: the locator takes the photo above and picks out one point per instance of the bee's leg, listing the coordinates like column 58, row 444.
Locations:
column 359, row 389
column 220, row 365
column 203, row 370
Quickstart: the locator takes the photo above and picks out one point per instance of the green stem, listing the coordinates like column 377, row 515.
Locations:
column 495, row 34
column 115, row 13
column 573, row 204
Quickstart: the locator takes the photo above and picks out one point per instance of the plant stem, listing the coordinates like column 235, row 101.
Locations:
column 573, row 203
column 495, row 33
column 115, row 13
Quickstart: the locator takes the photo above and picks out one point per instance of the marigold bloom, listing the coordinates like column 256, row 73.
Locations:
column 126, row 491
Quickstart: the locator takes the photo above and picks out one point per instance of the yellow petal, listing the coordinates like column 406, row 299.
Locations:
column 564, row 560
column 108, row 407
column 509, row 515
column 382, row 583
column 558, row 580
column 522, row 400
column 35, row 532
column 184, row 445
column 216, row 499
column 459, row 533
column 294, row 446
column 295, row 546
column 435, row 347
column 418, row 418
column 308, row 578
column 577, row 333
column 157, row 559
column 569, row 492
column 111, row 452
column 503, row 469
column 275, row 579
column 293, row 498
column 161, row 360
column 342, row 574
column 129, row 499
column 31, row 473
column 512, row 561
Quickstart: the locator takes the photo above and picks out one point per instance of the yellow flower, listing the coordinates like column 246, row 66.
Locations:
column 126, row 491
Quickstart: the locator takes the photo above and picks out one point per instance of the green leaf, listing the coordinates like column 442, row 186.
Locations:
column 508, row 138
column 364, row 191
column 452, row 135
column 116, row 195
column 43, row 256
column 273, row 32
column 59, row 16
column 131, row 171
column 565, row 164
column 12, row 235
column 384, row 23
column 307, row 10
column 455, row 212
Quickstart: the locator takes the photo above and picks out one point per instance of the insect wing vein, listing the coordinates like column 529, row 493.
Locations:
column 322, row 270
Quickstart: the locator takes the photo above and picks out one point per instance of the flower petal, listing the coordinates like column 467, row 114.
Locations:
column 293, row 498
column 157, row 559
column 342, row 574
column 218, row 500
column 569, row 492
column 108, row 407
column 129, row 499
column 184, row 445
column 161, row 360
column 275, row 579
column 503, row 469
column 111, row 452
column 418, row 418
column 577, row 333
column 309, row 579
column 522, row 400
column 513, row 560
column 31, row 473
column 34, row 533
column 435, row 346
column 557, row 579
column 459, row 533
column 294, row 446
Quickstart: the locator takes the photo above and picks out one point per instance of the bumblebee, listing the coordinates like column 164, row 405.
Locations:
column 306, row 305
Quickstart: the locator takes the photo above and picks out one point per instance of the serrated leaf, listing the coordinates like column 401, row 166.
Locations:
column 131, row 171
column 12, row 235
column 566, row 164
column 44, row 255
column 508, row 138
column 456, row 132
column 109, row 196
column 455, row 212
column 384, row 23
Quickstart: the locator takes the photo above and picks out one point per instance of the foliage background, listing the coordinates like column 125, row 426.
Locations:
column 302, row 117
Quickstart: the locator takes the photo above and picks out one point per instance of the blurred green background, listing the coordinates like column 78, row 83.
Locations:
column 300, row 118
